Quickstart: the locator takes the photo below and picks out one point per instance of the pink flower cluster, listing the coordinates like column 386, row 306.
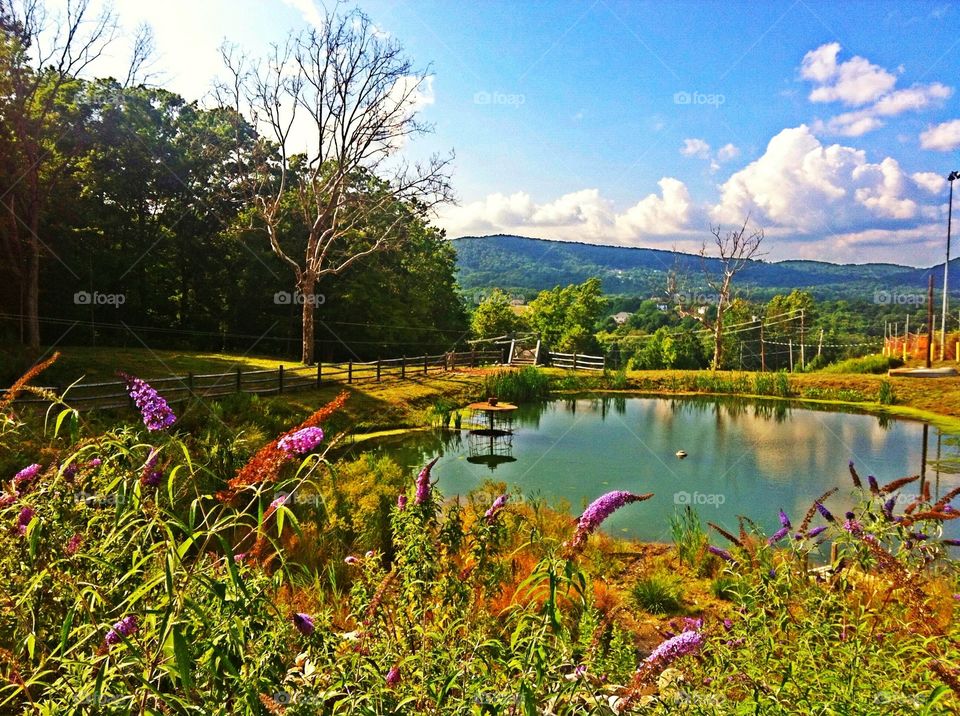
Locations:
column 599, row 510
column 301, row 442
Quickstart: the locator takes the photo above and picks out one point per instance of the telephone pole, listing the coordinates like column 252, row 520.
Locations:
column 946, row 267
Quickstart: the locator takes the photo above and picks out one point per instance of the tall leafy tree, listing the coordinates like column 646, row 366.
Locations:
column 566, row 317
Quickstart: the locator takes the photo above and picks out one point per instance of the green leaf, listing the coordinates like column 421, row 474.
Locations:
column 181, row 652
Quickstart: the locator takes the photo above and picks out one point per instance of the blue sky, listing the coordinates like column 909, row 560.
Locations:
column 644, row 123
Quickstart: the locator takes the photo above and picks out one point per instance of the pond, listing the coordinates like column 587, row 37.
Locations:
column 743, row 458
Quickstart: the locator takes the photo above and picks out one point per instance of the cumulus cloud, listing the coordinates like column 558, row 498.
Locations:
column 727, row 152
column 933, row 183
column 583, row 215
column 944, row 137
column 854, row 82
column 861, row 84
column 695, row 148
column 808, row 188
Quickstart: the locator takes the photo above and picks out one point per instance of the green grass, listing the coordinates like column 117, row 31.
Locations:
column 876, row 364
column 658, row 594
column 518, row 386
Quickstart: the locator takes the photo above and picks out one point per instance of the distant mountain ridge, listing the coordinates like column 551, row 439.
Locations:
column 529, row 264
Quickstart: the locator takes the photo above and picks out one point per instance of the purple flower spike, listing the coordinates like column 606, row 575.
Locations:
column 784, row 520
column 95, row 462
column 24, row 518
column 303, row 623
column 721, row 553
column 888, row 507
column 401, row 502
column 393, row 676
column 874, row 487
column 827, row 515
column 7, row 499
column 497, row 505
column 350, row 559
column 74, row 543
column 423, row 483
column 779, row 534
column 26, row 475
column 816, row 531
column 154, row 409
column 599, row 510
column 853, row 526
column 301, row 442
column 125, row 627
column 687, row 642
column 951, row 542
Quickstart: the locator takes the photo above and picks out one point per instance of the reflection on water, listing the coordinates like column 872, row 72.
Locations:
column 744, row 457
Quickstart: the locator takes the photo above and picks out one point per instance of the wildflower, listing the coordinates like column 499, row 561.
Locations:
column 827, row 515
column 150, row 476
column 784, row 520
column 351, row 560
column 727, row 624
column 154, row 409
column 239, row 557
column 70, row 471
column 599, row 510
column 952, row 542
column 816, row 531
column 401, row 502
column 301, row 442
column 887, row 508
column 26, row 475
column 423, row 483
column 303, row 623
column 74, row 543
column 580, row 671
column 393, row 676
column 23, row 519
column 919, row 536
column 779, row 534
column 852, row 525
column 874, row 487
column 95, row 462
column 721, row 553
column 7, row 499
column 125, row 627
column 277, row 502
column 686, row 643
column 497, row 505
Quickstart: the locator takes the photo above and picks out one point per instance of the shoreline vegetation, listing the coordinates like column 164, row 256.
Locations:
column 368, row 592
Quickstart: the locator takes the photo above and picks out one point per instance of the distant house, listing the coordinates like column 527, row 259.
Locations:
column 662, row 307
column 621, row 318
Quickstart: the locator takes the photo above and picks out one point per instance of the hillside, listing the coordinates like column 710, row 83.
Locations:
column 529, row 265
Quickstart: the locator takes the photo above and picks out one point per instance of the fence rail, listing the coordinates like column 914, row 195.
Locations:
column 175, row 389
column 576, row 361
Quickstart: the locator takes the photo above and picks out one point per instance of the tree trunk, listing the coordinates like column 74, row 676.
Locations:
column 307, row 286
column 717, row 342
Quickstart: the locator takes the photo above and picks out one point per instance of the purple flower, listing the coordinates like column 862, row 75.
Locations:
column 727, row 624
column 350, row 559
column 24, row 518
column 874, row 487
column 887, row 508
column 301, row 442
column 7, row 499
column 580, row 671
column 95, row 462
column 779, row 534
column 784, row 520
column 919, row 536
column 239, row 557
column 952, row 542
column 303, row 623
column 497, row 505
column 125, row 627
column 154, row 409
column 687, row 642
column 827, row 515
column 401, row 502
column 277, row 502
column 71, row 470
column 599, row 510
column 74, row 543
column 721, row 553
column 423, row 483
column 393, row 676
column 26, row 475
column 853, row 526
column 151, row 478
column 816, row 531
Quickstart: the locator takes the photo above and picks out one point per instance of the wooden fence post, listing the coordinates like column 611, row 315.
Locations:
column 473, row 359
column 319, row 372
column 574, row 361
column 190, row 382
column 424, row 364
column 403, row 367
column 378, row 370
column 280, row 379
column 350, row 371
column 238, row 379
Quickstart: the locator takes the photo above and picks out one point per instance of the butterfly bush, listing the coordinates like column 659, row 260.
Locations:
column 423, row 483
column 301, row 442
column 125, row 627
column 598, row 511
column 156, row 414
column 496, row 507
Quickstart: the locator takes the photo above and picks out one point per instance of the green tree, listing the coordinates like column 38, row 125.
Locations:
column 495, row 317
column 566, row 317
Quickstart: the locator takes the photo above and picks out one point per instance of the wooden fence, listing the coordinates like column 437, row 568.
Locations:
column 113, row 394
column 576, row 361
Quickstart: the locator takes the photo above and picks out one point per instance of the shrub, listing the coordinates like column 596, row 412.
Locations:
column 866, row 364
column 517, row 386
column 658, row 594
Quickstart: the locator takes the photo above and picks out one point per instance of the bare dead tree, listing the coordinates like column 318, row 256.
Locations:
column 142, row 57
column 735, row 250
column 39, row 55
column 338, row 104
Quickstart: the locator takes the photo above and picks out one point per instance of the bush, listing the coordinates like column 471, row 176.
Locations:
column 877, row 364
column 517, row 386
column 658, row 594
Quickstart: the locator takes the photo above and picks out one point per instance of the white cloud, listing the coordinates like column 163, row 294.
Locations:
column 582, row 215
column 933, row 183
column 695, row 148
column 309, row 10
column 870, row 88
column 727, row 152
column 854, row 82
column 808, row 188
column 944, row 137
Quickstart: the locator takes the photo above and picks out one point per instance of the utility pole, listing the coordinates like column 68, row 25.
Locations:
column 929, row 318
column 820, row 344
column 803, row 362
column 946, row 267
column 763, row 354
